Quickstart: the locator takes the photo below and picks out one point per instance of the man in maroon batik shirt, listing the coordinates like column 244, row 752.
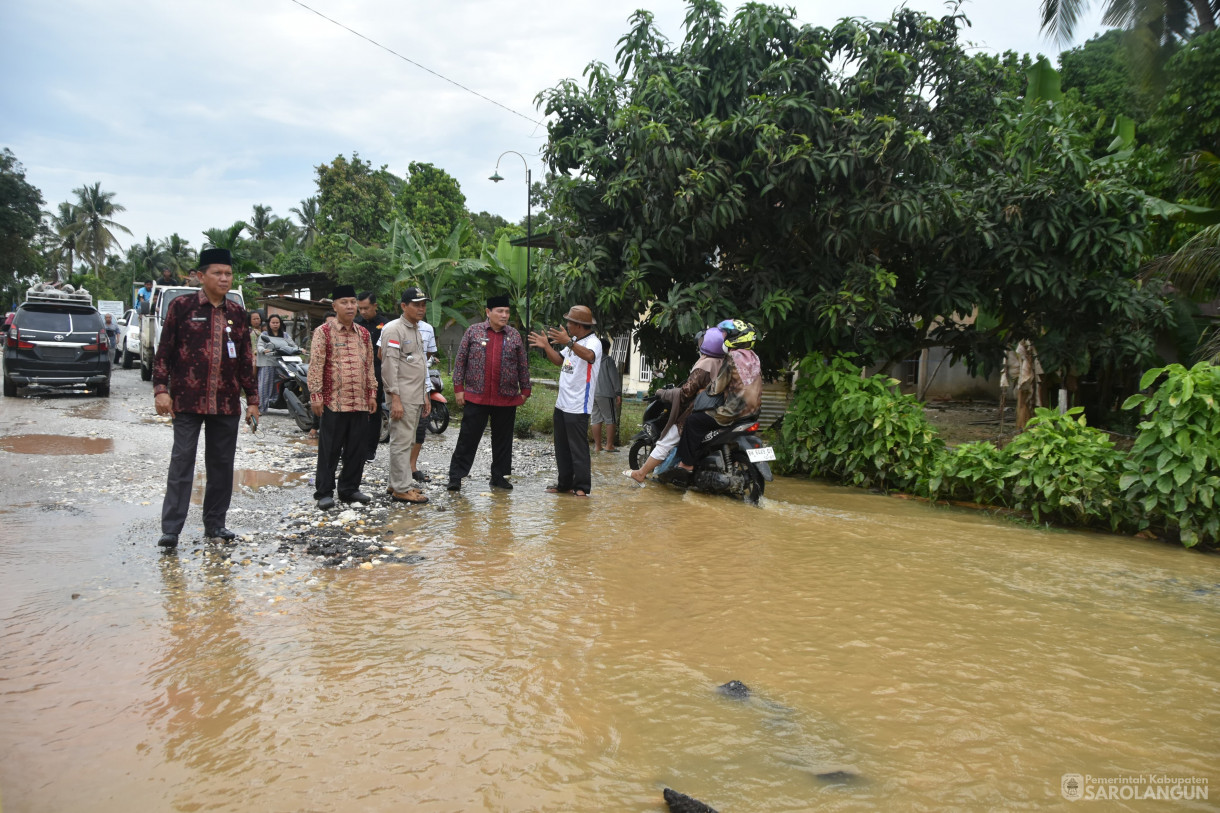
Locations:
column 203, row 363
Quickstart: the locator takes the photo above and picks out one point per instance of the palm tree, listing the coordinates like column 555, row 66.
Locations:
column 229, row 238
column 178, row 253
column 67, row 225
column 308, row 215
column 1167, row 20
column 95, row 210
column 148, row 258
column 286, row 234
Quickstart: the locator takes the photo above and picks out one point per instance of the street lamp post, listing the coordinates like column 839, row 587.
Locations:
column 529, row 228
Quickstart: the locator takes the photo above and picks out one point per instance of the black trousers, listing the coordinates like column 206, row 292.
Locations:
column 219, row 447
column 341, row 434
column 373, row 438
column 697, row 427
column 572, row 451
column 474, row 420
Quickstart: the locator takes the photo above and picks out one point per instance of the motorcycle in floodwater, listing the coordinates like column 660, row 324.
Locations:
column 733, row 459
column 438, row 417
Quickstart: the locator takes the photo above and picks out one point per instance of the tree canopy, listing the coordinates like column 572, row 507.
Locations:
column 20, row 214
column 868, row 187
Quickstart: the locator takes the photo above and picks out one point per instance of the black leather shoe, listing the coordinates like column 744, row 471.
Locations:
column 356, row 496
column 219, row 533
column 326, row 503
column 168, row 540
column 500, row 482
column 421, row 477
column 454, row 485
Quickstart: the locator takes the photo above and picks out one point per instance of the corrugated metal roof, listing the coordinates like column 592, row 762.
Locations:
column 775, row 397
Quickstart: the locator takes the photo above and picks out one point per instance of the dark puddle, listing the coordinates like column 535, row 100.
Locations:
column 252, row 479
column 55, row 444
column 92, row 410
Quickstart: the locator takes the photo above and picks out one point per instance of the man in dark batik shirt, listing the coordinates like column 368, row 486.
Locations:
column 203, row 363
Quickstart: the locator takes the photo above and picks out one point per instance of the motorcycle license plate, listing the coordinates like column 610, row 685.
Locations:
column 290, row 359
column 760, row 454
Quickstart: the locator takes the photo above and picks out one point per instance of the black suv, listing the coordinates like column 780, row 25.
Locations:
column 56, row 344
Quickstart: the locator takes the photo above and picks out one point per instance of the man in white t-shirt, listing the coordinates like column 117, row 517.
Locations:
column 578, row 364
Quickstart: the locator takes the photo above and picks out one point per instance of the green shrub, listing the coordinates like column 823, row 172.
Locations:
column 1065, row 471
column 858, row 430
column 973, row 472
column 1172, row 475
column 523, row 422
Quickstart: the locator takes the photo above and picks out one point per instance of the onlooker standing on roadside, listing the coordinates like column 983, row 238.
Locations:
column 371, row 320
column 256, row 330
column 112, row 334
column 491, row 378
column 343, row 394
column 267, row 361
column 202, row 366
column 404, row 359
column 607, row 398
column 578, row 366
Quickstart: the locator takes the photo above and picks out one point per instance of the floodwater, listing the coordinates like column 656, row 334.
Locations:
column 55, row 444
column 555, row 654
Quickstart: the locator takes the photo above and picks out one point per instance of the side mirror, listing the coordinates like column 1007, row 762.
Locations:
column 122, row 323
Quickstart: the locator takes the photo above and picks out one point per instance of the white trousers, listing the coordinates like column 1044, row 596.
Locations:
column 665, row 445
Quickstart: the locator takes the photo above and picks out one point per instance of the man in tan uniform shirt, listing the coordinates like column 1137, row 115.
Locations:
column 404, row 369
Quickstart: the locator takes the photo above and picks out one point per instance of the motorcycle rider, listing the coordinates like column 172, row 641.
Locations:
column 711, row 356
column 740, row 382
column 267, row 360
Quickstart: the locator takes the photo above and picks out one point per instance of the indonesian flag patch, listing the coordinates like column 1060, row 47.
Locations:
column 394, row 344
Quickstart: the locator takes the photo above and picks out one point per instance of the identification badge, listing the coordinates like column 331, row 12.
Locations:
column 199, row 318
column 232, row 350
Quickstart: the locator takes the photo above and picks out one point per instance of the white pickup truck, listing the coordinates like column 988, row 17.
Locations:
column 152, row 316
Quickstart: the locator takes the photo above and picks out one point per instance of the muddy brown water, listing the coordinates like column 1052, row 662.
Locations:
column 558, row 654
column 55, row 444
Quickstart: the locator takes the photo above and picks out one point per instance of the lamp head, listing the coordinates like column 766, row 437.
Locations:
column 496, row 177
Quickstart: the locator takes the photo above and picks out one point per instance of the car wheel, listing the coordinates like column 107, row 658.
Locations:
column 103, row 390
column 145, row 371
column 129, row 359
column 10, row 389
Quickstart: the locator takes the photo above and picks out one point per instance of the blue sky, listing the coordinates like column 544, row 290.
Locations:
column 191, row 111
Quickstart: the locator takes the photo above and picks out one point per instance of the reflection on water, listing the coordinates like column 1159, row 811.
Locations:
column 550, row 653
column 252, row 479
column 205, row 688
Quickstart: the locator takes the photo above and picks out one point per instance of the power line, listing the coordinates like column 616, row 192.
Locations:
column 416, row 64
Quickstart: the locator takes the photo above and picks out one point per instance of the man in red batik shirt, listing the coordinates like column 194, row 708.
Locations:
column 203, row 363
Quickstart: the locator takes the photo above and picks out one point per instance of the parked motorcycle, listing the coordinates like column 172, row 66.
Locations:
column 290, row 389
column 733, row 461
column 438, row 418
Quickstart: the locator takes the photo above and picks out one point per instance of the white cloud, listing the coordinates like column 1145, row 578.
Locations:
column 192, row 111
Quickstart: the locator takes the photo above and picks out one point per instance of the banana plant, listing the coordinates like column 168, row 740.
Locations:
column 507, row 269
column 439, row 270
